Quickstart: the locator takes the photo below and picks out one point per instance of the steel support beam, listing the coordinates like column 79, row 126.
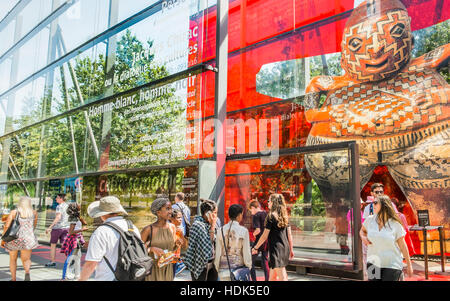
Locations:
column 62, row 48
column 220, row 107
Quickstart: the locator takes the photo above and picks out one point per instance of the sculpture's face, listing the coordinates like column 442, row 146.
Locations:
column 377, row 47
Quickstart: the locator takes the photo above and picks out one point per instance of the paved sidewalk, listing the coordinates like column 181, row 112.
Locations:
column 41, row 256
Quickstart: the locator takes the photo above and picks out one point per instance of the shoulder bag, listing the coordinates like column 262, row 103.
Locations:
column 12, row 233
column 237, row 274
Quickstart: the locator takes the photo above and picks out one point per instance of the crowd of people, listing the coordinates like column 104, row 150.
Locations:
column 208, row 250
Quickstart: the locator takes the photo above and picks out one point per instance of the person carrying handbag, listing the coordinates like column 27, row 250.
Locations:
column 233, row 256
column 22, row 222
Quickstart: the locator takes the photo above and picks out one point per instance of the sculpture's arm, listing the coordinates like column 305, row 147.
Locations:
column 434, row 59
column 318, row 86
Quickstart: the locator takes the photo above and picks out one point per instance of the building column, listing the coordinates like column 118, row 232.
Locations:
column 217, row 170
column 109, row 86
column 6, row 143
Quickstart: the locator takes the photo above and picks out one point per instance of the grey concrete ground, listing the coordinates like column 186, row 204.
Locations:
column 39, row 272
column 41, row 256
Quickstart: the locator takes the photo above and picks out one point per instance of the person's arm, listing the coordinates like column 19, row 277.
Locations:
column 145, row 234
column 178, row 241
column 55, row 221
column 363, row 235
column 291, row 243
column 11, row 216
column 88, row 268
column 261, row 240
column 247, row 250
column 35, row 219
column 218, row 252
column 404, row 249
column 212, row 219
column 256, row 225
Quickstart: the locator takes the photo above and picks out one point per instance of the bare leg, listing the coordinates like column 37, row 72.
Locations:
column 13, row 264
column 52, row 252
column 422, row 173
column 283, row 274
column 25, row 256
column 272, row 275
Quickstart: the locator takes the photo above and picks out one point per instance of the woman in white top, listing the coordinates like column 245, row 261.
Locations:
column 237, row 241
column 384, row 236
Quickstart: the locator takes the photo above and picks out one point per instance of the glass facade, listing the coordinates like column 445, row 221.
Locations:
column 118, row 97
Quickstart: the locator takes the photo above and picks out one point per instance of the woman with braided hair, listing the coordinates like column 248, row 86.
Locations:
column 278, row 232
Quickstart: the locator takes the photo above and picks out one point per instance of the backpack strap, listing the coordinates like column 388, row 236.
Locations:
column 121, row 233
column 226, row 250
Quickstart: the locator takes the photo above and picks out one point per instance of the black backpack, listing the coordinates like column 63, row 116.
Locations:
column 133, row 262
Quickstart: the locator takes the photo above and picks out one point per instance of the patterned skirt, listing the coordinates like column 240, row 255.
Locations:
column 26, row 239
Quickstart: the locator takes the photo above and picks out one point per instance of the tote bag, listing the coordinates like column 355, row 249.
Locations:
column 12, row 232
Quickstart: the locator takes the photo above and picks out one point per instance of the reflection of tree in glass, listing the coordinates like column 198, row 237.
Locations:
column 430, row 38
column 128, row 128
column 128, row 47
column 281, row 79
column 317, row 207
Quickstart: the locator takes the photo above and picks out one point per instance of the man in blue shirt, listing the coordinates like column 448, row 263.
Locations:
column 180, row 205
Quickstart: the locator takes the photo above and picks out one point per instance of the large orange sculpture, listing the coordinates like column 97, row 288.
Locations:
column 396, row 108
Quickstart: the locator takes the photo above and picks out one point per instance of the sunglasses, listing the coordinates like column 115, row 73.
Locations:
column 378, row 191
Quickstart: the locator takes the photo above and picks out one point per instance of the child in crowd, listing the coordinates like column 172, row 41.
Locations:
column 176, row 219
column 73, row 243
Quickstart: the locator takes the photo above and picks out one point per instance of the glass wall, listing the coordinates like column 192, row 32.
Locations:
column 116, row 92
column 290, row 68
column 127, row 57
column 106, row 86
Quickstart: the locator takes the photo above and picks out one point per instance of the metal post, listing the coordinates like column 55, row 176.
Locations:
column 355, row 196
column 425, row 251
column 62, row 48
column 10, row 110
column 70, row 123
column 442, row 245
column 220, row 108
column 109, row 90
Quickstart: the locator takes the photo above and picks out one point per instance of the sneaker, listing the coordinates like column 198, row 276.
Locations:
column 180, row 268
column 50, row 264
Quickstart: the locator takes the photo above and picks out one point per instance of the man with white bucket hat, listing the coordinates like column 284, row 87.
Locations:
column 104, row 242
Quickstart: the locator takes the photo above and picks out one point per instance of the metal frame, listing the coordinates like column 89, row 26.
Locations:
column 220, row 105
column 352, row 148
column 106, row 172
column 13, row 13
column 29, row 35
column 101, row 37
column 166, row 80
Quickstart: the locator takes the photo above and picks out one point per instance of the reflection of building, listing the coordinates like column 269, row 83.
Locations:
column 115, row 92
